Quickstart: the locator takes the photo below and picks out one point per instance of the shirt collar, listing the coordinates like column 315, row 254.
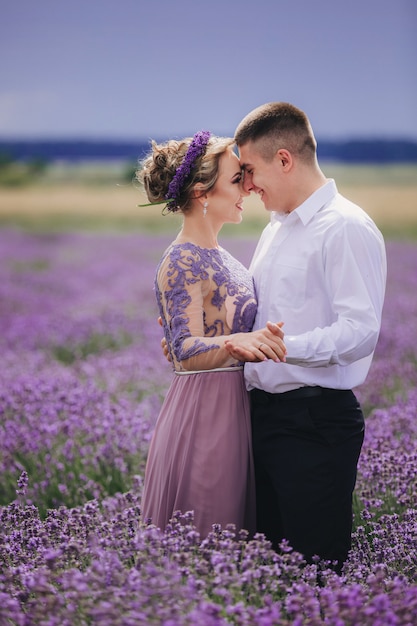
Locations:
column 309, row 207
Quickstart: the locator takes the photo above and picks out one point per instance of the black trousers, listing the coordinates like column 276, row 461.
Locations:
column 306, row 448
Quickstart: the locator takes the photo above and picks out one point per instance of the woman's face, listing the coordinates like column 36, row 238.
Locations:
column 226, row 197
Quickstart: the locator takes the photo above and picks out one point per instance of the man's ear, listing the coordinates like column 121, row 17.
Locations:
column 284, row 159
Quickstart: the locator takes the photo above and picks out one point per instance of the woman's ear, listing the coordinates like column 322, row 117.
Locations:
column 199, row 192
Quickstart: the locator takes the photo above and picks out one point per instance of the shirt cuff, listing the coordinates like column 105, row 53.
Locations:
column 296, row 348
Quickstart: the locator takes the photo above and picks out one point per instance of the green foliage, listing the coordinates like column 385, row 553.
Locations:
column 94, row 344
column 58, row 481
column 386, row 504
column 129, row 173
column 37, row 265
column 18, row 174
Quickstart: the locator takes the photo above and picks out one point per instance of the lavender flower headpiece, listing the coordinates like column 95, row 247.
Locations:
column 196, row 148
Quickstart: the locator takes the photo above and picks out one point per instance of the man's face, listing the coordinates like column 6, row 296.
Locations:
column 263, row 177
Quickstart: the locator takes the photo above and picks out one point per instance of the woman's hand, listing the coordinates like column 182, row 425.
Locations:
column 259, row 345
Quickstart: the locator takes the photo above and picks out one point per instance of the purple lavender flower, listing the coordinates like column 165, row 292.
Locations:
column 196, row 148
column 79, row 427
column 22, row 484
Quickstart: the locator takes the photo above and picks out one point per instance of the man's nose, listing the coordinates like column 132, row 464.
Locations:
column 244, row 191
column 247, row 182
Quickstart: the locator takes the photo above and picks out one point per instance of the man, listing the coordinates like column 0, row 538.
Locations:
column 320, row 266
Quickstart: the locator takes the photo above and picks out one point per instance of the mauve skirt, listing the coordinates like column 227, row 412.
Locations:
column 200, row 456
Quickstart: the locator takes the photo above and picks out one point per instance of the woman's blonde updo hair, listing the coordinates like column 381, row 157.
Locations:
column 159, row 167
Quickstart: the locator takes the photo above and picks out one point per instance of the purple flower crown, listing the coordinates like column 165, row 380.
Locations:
column 196, row 148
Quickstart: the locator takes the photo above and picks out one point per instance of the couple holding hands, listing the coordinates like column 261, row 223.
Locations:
column 260, row 427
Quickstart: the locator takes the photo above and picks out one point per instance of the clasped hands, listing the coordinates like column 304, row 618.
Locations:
column 258, row 345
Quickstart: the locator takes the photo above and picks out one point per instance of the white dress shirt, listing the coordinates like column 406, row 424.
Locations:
column 321, row 269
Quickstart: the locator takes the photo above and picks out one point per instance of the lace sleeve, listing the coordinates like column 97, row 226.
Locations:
column 184, row 289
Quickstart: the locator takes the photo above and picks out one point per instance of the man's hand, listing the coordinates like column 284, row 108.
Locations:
column 259, row 345
column 256, row 346
column 164, row 344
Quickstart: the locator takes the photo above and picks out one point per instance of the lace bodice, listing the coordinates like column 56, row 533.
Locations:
column 203, row 295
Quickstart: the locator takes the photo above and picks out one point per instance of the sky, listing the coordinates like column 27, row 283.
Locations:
column 141, row 69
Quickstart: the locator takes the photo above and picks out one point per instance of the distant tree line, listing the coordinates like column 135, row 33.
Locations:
column 351, row 151
column 369, row 151
column 15, row 172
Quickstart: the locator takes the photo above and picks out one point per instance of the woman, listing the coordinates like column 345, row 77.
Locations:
column 200, row 456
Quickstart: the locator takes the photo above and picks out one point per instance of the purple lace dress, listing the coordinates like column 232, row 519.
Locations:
column 200, row 457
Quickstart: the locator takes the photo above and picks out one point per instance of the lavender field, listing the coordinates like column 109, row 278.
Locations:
column 82, row 378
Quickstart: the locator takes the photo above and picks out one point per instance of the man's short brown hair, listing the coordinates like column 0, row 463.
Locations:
column 278, row 125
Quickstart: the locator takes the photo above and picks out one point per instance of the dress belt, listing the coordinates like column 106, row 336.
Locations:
column 237, row 368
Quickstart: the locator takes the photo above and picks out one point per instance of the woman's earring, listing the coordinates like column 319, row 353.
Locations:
column 205, row 205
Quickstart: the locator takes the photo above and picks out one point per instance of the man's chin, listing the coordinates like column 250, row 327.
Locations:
column 267, row 205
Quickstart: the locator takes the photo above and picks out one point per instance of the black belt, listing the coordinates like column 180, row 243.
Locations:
column 295, row 394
